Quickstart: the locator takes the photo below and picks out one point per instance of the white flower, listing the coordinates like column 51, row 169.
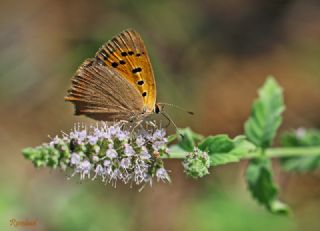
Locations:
column 79, row 135
column 95, row 158
column 140, row 141
column 92, row 140
column 99, row 133
column 128, row 150
column 110, row 145
column 113, row 130
column 159, row 134
column 56, row 140
column 125, row 163
column 162, row 174
column 122, row 135
column 108, row 171
column 140, row 171
column 128, row 154
column 107, row 163
column 144, row 154
column 99, row 171
column 75, row 158
column 84, row 169
column 111, row 153
column 157, row 145
column 116, row 174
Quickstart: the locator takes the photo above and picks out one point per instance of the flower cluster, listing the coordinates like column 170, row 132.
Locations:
column 112, row 152
column 196, row 163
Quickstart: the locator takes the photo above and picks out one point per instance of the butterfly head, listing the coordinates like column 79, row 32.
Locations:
column 158, row 108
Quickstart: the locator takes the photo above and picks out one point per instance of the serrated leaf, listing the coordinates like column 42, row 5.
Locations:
column 265, row 118
column 301, row 164
column 242, row 146
column 177, row 150
column 222, row 149
column 301, row 138
column 223, row 158
column 262, row 187
column 217, row 144
column 188, row 139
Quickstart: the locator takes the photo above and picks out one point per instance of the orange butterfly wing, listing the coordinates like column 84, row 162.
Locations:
column 127, row 54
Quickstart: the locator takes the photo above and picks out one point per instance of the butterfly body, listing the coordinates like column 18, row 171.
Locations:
column 118, row 83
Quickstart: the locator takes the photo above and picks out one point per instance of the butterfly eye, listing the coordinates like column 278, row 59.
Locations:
column 156, row 109
column 100, row 62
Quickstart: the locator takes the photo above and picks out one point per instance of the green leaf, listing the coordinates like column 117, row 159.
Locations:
column 224, row 158
column 265, row 118
column 176, row 150
column 242, row 146
column 188, row 139
column 260, row 129
column 301, row 138
column 301, row 164
column 262, row 187
column 222, row 149
column 217, row 144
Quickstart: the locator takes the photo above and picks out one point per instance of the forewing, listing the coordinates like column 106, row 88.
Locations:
column 127, row 54
column 101, row 93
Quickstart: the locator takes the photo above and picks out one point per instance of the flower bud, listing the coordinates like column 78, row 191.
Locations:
column 196, row 163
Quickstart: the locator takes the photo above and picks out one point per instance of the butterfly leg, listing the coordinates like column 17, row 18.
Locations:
column 137, row 124
column 137, row 120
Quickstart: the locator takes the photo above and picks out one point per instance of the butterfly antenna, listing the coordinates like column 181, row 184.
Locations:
column 171, row 121
column 175, row 106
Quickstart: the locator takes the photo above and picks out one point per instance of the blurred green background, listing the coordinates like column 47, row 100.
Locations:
column 208, row 56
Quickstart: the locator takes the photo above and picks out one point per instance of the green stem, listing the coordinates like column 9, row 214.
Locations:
column 269, row 152
column 293, row 151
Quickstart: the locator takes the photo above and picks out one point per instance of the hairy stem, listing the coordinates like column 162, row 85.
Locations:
column 269, row 152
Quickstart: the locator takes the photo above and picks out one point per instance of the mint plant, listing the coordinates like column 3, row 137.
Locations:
column 115, row 152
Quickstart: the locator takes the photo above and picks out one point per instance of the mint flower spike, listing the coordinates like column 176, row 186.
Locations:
column 110, row 152
column 196, row 163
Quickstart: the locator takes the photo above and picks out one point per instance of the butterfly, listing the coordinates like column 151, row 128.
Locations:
column 118, row 83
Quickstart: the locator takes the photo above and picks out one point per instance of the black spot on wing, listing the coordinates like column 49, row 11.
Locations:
column 136, row 70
